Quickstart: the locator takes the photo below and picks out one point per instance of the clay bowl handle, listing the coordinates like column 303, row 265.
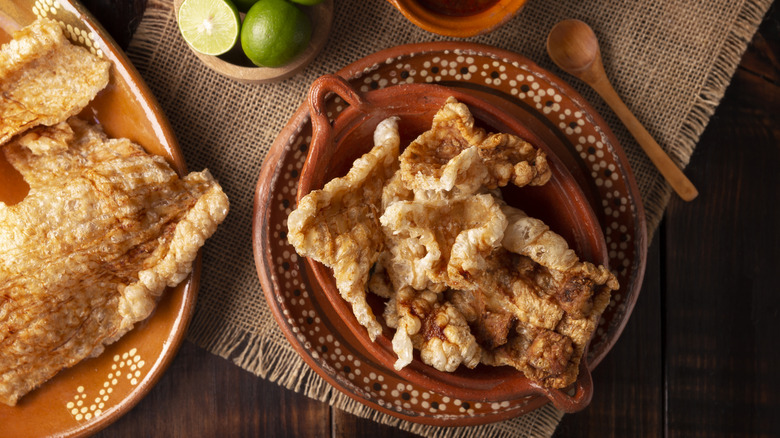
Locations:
column 582, row 395
column 321, row 148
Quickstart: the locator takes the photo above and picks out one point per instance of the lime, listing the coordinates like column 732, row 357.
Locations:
column 274, row 32
column 307, row 2
column 209, row 26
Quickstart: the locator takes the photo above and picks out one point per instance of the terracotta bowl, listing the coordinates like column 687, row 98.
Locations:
column 459, row 26
column 235, row 65
column 560, row 203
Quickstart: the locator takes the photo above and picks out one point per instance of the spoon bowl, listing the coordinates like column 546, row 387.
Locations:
column 573, row 46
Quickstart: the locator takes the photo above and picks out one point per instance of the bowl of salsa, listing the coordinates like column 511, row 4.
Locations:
column 458, row 18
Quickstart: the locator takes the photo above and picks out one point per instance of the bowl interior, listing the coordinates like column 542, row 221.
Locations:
column 560, row 203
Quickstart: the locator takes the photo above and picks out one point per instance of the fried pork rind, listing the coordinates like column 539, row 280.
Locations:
column 467, row 278
column 403, row 313
column 339, row 225
column 443, row 220
column 447, row 340
column 103, row 230
column 436, row 243
column 395, row 191
column 556, row 298
column 571, row 283
column 44, row 79
column 457, row 159
column 423, row 320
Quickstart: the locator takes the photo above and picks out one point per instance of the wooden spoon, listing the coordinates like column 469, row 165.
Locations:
column 573, row 46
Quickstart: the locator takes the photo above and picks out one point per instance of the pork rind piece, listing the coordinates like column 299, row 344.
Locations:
column 44, row 79
column 447, row 341
column 434, row 244
column 339, row 225
column 458, row 159
column 556, row 298
column 505, row 286
column 104, row 229
column 572, row 282
column 533, row 238
column 423, row 320
column 403, row 312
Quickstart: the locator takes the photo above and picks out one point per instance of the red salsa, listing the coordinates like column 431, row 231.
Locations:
column 457, row 7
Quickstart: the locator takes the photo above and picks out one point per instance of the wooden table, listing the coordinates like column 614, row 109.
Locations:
column 699, row 356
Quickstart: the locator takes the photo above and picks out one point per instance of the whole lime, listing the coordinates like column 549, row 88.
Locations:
column 274, row 32
column 307, row 2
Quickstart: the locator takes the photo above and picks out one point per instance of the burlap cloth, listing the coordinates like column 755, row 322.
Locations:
column 670, row 60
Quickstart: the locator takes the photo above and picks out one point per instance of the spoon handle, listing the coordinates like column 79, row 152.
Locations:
column 676, row 178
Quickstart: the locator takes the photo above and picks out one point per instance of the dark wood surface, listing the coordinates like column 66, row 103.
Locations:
column 699, row 356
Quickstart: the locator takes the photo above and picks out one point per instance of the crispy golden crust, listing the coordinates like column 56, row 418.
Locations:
column 406, row 311
column 44, row 79
column 339, row 225
column 447, row 341
column 439, row 242
column 104, row 229
column 455, row 158
column 556, row 298
column 426, row 321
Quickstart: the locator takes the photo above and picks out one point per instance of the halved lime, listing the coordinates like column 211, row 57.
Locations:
column 210, row 27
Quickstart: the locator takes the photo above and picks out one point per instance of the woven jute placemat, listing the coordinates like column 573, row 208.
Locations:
column 671, row 61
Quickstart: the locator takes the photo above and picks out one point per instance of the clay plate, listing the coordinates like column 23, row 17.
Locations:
column 553, row 112
column 89, row 396
column 482, row 22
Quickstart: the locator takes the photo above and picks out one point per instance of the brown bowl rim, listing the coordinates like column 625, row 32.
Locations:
column 465, row 26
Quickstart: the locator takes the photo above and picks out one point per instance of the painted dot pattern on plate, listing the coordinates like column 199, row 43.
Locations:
column 87, row 403
column 52, row 9
column 301, row 310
